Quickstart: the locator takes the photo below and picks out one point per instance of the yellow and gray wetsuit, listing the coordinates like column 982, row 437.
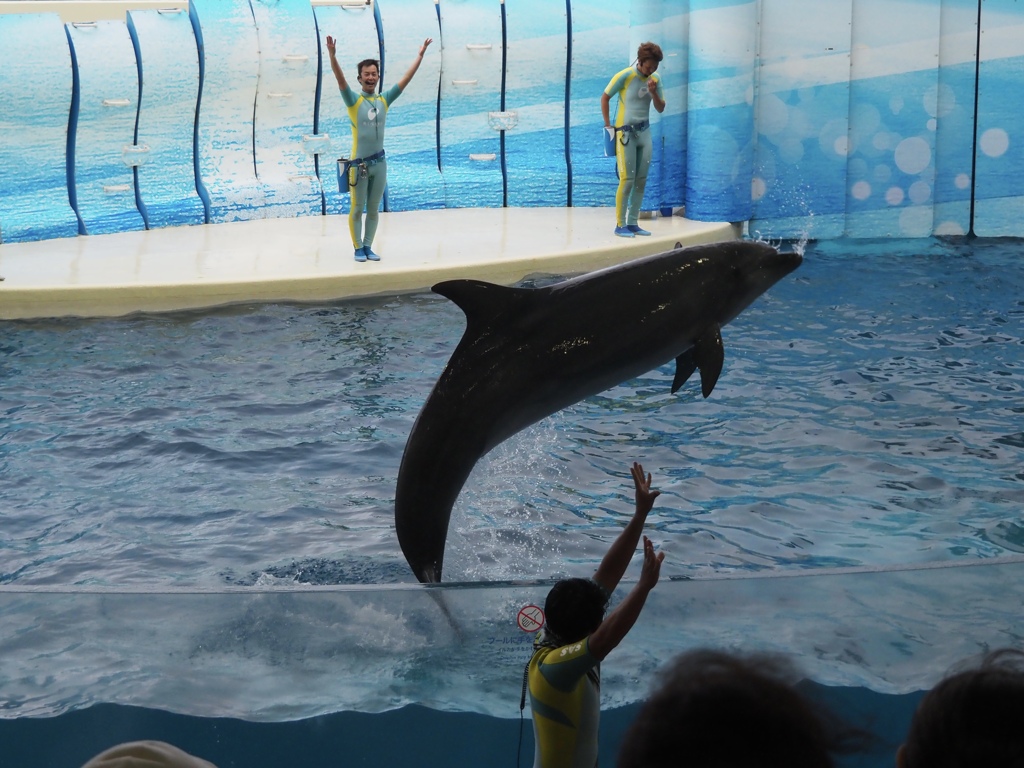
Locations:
column 565, row 699
column 633, row 145
column 367, row 177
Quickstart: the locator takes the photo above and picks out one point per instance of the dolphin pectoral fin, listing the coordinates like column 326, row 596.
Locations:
column 685, row 366
column 709, row 353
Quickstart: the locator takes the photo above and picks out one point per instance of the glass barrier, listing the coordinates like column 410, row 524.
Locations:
column 288, row 654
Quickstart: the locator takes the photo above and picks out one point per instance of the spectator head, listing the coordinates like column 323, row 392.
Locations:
column 720, row 710
column 146, row 754
column 974, row 717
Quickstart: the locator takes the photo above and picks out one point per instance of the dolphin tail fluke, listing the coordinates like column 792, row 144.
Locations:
column 430, row 574
column 708, row 354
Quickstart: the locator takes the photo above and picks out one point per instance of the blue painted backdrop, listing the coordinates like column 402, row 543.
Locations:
column 862, row 118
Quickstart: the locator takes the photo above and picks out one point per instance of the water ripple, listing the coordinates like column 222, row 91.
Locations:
column 868, row 414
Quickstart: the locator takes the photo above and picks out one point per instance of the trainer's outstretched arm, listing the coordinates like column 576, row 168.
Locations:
column 415, row 65
column 618, row 623
column 332, row 45
column 615, row 562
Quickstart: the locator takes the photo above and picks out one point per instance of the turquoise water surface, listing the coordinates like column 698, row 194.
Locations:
column 203, row 478
column 869, row 414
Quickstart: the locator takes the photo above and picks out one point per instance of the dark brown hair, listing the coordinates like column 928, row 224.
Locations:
column 649, row 51
column 972, row 717
column 714, row 709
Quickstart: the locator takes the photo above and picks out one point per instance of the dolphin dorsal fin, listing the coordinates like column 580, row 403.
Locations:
column 708, row 354
column 482, row 301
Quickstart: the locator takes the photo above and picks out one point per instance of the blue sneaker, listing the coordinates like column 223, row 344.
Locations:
column 360, row 255
column 624, row 232
column 637, row 231
column 370, row 254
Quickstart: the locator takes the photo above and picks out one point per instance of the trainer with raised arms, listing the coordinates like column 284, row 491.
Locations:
column 366, row 170
column 564, row 673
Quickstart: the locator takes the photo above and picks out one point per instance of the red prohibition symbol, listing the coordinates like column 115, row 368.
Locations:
column 531, row 618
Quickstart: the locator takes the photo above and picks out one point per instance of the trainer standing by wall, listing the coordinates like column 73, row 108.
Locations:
column 636, row 88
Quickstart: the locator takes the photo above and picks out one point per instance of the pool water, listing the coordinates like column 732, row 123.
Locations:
column 869, row 414
column 868, row 417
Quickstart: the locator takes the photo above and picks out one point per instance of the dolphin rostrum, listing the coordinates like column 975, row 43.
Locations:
column 529, row 352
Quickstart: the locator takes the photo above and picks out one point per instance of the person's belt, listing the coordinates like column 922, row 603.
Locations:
column 369, row 159
column 344, row 163
column 362, row 163
column 643, row 125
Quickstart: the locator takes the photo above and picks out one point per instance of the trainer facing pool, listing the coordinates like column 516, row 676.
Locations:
column 366, row 172
column 564, row 674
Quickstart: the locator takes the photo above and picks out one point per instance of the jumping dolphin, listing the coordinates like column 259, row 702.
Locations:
column 529, row 352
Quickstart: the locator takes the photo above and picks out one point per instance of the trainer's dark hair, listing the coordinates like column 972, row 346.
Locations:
column 367, row 63
column 649, row 51
column 720, row 710
column 574, row 608
column 972, row 718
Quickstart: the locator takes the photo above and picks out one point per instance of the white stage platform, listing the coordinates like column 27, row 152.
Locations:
column 310, row 258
